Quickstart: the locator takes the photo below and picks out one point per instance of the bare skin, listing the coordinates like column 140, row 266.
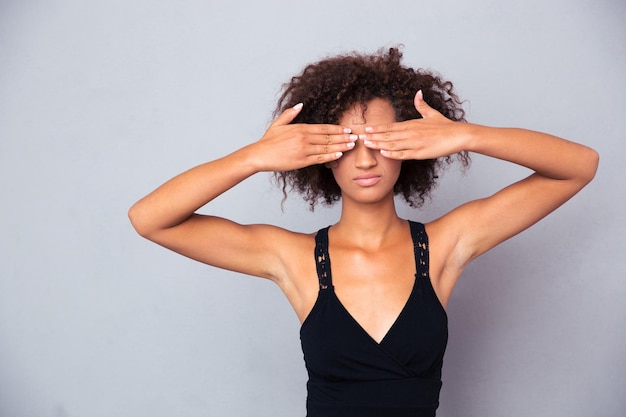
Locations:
column 370, row 246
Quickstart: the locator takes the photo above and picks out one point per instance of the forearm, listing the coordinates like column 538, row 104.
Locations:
column 547, row 155
column 177, row 199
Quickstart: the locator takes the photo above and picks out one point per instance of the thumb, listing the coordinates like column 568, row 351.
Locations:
column 287, row 116
column 421, row 106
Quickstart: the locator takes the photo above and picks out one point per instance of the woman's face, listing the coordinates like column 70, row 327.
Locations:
column 363, row 174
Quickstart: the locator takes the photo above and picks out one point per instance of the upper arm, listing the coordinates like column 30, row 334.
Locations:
column 250, row 249
column 482, row 224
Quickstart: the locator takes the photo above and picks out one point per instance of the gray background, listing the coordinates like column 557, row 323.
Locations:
column 102, row 100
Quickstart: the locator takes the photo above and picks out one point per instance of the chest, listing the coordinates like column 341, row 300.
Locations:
column 373, row 287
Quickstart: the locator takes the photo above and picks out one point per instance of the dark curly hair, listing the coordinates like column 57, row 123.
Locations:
column 333, row 85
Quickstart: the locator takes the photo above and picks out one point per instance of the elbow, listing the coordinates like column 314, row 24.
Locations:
column 135, row 216
column 592, row 161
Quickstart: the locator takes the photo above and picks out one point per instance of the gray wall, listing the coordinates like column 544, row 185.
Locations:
column 100, row 101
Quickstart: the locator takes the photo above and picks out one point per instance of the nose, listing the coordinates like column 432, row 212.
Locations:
column 365, row 157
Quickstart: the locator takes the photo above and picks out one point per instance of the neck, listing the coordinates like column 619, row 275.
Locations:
column 368, row 225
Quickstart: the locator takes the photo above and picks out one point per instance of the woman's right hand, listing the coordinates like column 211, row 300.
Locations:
column 285, row 147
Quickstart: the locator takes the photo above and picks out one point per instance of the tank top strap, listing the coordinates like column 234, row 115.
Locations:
column 420, row 248
column 322, row 259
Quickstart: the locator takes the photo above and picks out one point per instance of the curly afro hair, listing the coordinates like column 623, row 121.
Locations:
column 333, row 85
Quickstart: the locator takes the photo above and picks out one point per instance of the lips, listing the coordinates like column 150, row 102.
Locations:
column 367, row 180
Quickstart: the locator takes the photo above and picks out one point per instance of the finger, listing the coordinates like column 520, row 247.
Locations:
column 317, row 129
column 332, row 148
column 388, row 146
column 400, row 155
column 287, row 116
column 327, row 139
column 421, row 106
column 384, row 136
column 386, row 128
column 324, row 158
column 390, row 141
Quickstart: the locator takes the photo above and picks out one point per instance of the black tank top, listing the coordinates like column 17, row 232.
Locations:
column 350, row 374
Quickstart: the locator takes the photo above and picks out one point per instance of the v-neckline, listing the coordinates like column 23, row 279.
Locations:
column 343, row 307
column 393, row 325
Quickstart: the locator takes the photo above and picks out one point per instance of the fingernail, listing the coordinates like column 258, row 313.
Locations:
column 369, row 129
column 339, row 154
column 367, row 142
column 347, row 130
column 362, row 137
column 420, row 94
column 350, row 145
column 298, row 106
column 354, row 137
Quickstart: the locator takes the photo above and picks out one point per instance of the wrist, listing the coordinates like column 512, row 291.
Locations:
column 474, row 137
column 249, row 159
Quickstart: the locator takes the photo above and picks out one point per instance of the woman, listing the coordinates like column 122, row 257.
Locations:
column 363, row 128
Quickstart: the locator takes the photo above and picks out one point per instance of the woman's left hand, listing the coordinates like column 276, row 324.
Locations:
column 431, row 137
